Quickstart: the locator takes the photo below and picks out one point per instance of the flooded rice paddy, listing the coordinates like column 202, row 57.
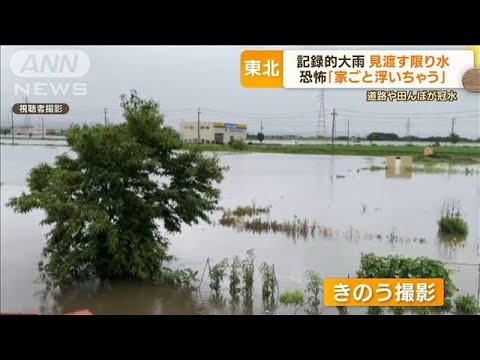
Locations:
column 351, row 212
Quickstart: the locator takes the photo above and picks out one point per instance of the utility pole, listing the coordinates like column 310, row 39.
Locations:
column 453, row 129
column 43, row 129
column 105, row 115
column 333, row 128
column 348, row 132
column 261, row 126
column 13, row 134
column 198, row 125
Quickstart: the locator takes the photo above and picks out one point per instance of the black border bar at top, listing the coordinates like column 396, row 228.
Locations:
column 253, row 35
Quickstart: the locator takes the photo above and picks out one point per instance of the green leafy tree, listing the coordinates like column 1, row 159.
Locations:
column 107, row 204
column 371, row 137
column 454, row 138
column 260, row 137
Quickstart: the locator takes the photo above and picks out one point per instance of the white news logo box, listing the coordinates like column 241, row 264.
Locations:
column 50, row 63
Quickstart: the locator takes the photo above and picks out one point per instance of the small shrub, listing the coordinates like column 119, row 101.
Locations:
column 451, row 221
column 342, row 310
column 183, row 278
column 248, row 269
column 295, row 297
column 466, row 305
column 238, row 145
column 269, row 284
column 375, row 310
column 235, row 278
column 314, row 288
column 397, row 310
column 217, row 273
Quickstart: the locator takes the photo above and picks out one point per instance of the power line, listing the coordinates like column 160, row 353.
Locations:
column 416, row 114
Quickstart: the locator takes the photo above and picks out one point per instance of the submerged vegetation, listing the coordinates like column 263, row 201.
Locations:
column 269, row 285
column 217, row 272
column 250, row 210
column 451, row 221
column 314, row 288
column 302, row 228
column 235, row 279
column 248, row 270
column 431, row 168
column 309, row 297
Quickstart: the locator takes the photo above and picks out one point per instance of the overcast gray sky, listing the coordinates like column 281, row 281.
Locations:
column 183, row 78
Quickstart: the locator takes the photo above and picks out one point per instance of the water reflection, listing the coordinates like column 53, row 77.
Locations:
column 123, row 297
column 398, row 173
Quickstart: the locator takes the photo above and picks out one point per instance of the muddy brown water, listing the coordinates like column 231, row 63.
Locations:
column 324, row 189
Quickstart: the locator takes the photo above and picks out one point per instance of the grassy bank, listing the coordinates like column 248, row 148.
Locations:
column 444, row 154
column 459, row 155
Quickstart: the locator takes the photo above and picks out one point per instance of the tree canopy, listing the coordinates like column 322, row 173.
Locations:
column 260, row 137
column 110, row 203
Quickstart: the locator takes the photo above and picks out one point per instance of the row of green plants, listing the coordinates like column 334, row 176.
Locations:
column 240, row 274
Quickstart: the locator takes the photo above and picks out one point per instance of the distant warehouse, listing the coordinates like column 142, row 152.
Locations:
column 212, row 132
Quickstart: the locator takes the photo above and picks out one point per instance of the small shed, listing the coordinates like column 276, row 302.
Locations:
column 398, row 161
column 428, row 151
column 398, row 166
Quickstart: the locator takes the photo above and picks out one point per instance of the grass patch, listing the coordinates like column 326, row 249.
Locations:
column 444, row 154
column 451, row 221
column 295, row 297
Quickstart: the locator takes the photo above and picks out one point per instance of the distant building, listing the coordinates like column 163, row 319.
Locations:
column 28, row 130
column 212, row 132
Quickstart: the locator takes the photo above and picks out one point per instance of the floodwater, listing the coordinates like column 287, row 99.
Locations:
column 327, row 190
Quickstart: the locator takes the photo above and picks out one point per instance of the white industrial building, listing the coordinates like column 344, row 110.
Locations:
column 212, row 132
column 29, row 130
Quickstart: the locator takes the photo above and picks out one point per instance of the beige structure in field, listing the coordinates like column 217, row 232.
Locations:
column 212, row 132
column 398, row 166
column 428, row 151
column 398, row 161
